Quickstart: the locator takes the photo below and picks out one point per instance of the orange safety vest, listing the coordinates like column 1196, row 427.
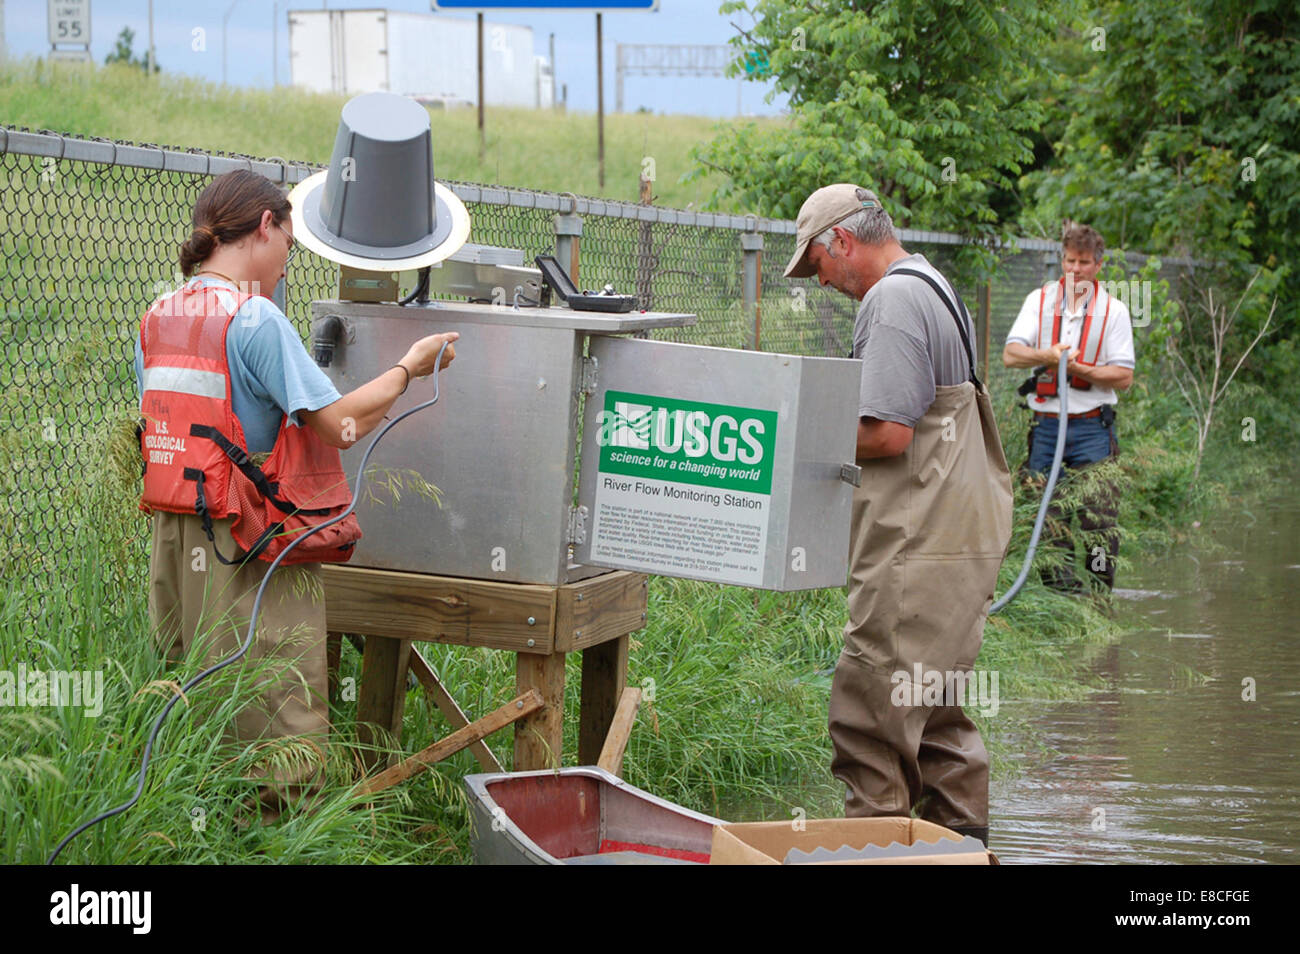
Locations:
column 1047, row 381
column 195, row 456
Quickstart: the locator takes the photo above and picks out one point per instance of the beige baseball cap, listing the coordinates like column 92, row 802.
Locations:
column 828, row 206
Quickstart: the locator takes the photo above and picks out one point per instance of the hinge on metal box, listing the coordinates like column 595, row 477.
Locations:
column 578, row 524
column 589, row 368
column 851, row 474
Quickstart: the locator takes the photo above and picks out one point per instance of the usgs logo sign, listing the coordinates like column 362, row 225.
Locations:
column 643, row 435
column 693, row 432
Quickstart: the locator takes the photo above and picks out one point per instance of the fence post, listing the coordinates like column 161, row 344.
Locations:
column 751, row 244
column 1051, row 267
column 568, row 234
column 983, row 329
column 645, row 257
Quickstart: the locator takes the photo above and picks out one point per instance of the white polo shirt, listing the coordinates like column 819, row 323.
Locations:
column 1116, row 343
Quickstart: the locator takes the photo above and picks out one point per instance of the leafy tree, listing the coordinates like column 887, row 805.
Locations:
column 123, row 52
column 1184, row 137
column 922, row 101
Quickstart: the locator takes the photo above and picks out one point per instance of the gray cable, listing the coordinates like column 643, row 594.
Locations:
column 252, row 622
column 1062, row 389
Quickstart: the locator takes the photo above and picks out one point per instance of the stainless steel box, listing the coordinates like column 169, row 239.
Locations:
column 502, row 447
column 719, row 464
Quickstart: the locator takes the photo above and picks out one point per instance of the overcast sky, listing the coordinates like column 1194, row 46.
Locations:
column 250, row 37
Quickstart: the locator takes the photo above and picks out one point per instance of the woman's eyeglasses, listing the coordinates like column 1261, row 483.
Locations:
column 293, row 245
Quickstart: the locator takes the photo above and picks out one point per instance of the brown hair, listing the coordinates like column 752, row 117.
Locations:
column 1082, row 238
column 230, row 207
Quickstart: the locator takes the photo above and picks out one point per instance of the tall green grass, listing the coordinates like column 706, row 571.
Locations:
column 525, row 148
column 736, row 725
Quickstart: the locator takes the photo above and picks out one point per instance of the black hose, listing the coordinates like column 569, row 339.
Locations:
column 421, row 291
column 252, row 622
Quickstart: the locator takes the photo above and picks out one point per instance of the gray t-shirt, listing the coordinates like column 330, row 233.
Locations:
column 908, row 344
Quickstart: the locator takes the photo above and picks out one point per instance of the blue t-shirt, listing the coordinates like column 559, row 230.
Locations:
column 271, row 373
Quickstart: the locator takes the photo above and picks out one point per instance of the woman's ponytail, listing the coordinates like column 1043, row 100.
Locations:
column 229, row 208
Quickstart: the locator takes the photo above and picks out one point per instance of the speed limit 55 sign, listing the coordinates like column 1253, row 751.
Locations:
column 69, row 21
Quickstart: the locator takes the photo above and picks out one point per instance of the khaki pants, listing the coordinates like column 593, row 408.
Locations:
column 196, row 599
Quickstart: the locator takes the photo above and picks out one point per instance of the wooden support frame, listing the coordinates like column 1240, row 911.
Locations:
column 518, row 708
column 539, row 738
column 450, row 710
column 381, row 698
column 440, row 609
column 604, row 676
column 611, row 754
column 540, row 623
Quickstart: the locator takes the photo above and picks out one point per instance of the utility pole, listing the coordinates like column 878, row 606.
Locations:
column 600, row 104
column 482, row 136
column 555, row 99
column 150, row 57
column 224, row 21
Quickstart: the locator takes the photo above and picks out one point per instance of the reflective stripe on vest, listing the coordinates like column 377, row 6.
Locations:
column 210, row 384
column 187, row 385
column 1085, row 338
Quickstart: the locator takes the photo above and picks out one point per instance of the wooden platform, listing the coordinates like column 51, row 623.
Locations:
column 541, row 624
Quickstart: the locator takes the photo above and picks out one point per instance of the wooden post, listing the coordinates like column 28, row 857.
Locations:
column 539, row 737
column 382, row 695
column 512, row 711
column 611, row 755
column 604, row 676
column 333, row 657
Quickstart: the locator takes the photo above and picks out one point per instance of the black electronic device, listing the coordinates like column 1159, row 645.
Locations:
column 555, row 277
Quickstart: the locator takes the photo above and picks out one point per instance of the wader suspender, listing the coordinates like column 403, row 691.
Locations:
column 254, row 473
column 961, row 326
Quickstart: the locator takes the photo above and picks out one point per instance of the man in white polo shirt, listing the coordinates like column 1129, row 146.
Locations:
column 1076, row 313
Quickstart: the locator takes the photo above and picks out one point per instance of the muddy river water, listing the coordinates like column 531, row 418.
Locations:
column 1191, row 753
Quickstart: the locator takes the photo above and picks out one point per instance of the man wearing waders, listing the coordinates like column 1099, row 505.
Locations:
column 931, row 523
column 1077, row 314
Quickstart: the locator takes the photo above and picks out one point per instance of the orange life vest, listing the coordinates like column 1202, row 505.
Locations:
column 1047, row 380
column 195, row 454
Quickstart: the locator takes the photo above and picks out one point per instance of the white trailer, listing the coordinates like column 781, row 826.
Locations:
column 429, row 57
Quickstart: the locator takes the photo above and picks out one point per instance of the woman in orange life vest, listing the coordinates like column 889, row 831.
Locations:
column 220, row 325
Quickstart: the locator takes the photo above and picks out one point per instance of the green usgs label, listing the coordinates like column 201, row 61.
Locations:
column 690, row 442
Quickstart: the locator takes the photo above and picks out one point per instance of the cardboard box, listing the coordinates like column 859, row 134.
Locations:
column 766, row 843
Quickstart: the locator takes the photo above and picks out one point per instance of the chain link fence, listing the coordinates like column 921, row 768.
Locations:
column 89, row 236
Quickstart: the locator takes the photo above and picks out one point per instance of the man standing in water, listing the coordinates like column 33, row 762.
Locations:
column 931, row 521
column 1076, row 314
